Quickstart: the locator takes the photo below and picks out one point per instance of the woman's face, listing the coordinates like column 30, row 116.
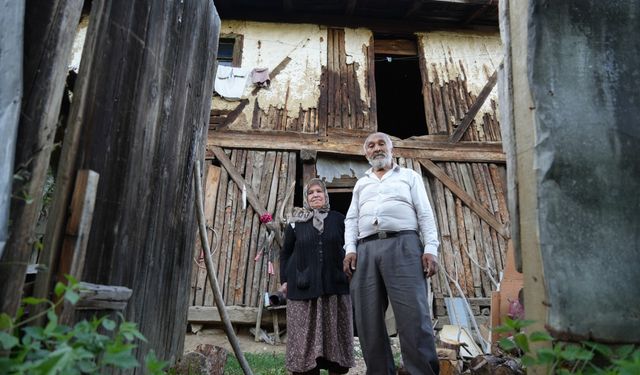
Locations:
column 315, row 196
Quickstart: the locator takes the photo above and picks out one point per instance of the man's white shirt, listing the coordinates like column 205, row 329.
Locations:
column 397, row 201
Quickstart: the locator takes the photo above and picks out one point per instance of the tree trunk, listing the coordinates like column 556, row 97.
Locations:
column 146, row 78
column 48, row 36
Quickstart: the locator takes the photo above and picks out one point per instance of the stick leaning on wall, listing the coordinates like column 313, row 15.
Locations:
column 213, row 279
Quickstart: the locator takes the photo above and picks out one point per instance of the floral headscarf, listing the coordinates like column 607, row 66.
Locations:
column 306, row 213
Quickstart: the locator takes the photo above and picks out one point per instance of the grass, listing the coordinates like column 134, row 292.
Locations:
column 261, row 364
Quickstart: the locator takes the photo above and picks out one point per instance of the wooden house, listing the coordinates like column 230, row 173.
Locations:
column 422, row 71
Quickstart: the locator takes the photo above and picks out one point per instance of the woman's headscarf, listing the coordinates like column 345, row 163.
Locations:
column 307, row 213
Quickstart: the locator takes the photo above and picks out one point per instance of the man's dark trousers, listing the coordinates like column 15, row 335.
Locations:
column 392, row 268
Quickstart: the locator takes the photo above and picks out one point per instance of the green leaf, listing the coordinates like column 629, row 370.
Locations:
column 34, row 300
column 522, row 341
column 503, row 329
column 153, row 364
column 528, row 360
column 546, row 355
column 8, row 341
column 540, row 336
column 72, row 280
column 624, row 351
column 600, row 348
column 120, row 356
column 507, row 344
column 71, row 296
column 5, row 321
column 574, row 352
column 55, row 362
column 108, row 324
column 59, row 289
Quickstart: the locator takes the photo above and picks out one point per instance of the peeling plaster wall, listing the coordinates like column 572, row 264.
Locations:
column 297, row 86
column 355, row 42
column 472, row 57
column 266, row 45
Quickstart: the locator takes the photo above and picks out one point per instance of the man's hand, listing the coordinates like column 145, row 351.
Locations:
column 429, row 264
column 349, row 264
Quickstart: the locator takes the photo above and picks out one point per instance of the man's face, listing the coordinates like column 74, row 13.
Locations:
column 378, row 152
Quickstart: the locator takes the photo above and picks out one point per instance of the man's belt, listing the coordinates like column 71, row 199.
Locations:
column 384, row 234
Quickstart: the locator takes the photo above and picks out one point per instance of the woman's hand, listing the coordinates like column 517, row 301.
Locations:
column 283, row 289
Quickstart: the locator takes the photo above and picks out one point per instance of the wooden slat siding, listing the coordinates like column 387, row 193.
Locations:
column 212, row 179
column 197, row 291
column 256, row 182
column 331, row 86
column 426, row 86
column 263, row 197
column 493, row 195
column 251, row 220
column 463, row 249
column 468, row 185
column 483, row 194
column 217, row 117
column 454, row 172
column 220, row 212
column 475, row 107
column 224, row 235
column 455, row 242
column 262, row 270
column 281, row 192
column 463, row 193
column 440, row 213
column 266, row 165
column 233, row 257
column 241, row 236
column 449, row 107
column 458, row 256
column 344, row 84
column 371, row 120
column 323, row 109
column 281, row 157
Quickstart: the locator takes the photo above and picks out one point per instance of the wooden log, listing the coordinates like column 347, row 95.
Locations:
column 102, row 297
column 49, row 29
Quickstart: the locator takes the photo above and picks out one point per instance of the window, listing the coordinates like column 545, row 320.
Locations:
column 230, row 50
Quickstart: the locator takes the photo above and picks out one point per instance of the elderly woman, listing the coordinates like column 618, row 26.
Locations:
column 319, row 315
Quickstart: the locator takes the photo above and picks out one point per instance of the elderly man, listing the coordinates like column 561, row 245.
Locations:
column 386, row 261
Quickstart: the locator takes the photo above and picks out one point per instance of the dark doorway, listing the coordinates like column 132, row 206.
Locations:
column 340, row 201
column 400, row 105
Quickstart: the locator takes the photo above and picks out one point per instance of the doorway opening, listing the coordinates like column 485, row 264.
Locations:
column 400, row 104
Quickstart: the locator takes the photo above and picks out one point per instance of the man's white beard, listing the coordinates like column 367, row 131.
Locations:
column 378, row 162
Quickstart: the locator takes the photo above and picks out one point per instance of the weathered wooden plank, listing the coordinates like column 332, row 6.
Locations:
column 475, row 107
column 241, row 235
column 49, row 29
column 212, row 178
column 372, row 123
column 218, row 224
column 237, row 219
column 143, row 140
column 466, row 198
column 237, row 315
column 344, row 84
column 455, row 242
column 440, row 212
column 256, row 183
column 463, row 249
column 331, row 78
column 227, row 231
column 74, row 246
column 402, row 47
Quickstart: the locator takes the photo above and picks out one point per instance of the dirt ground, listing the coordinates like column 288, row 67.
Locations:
column 217, row 337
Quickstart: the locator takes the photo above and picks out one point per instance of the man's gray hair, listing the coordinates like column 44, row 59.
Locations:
column 384, row 136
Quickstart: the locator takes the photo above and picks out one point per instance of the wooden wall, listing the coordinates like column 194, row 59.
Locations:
column 238, row 244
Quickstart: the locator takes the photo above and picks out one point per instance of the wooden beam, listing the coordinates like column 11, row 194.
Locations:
column 402, row 47
column 477, row 207
column 240, row 181
column 439, row 151
column 475, row 107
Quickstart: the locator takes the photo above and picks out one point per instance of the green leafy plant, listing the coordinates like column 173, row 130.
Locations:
column 86, row 348
column 583, row 358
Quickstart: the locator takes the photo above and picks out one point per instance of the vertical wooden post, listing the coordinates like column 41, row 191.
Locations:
column 140, row 121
